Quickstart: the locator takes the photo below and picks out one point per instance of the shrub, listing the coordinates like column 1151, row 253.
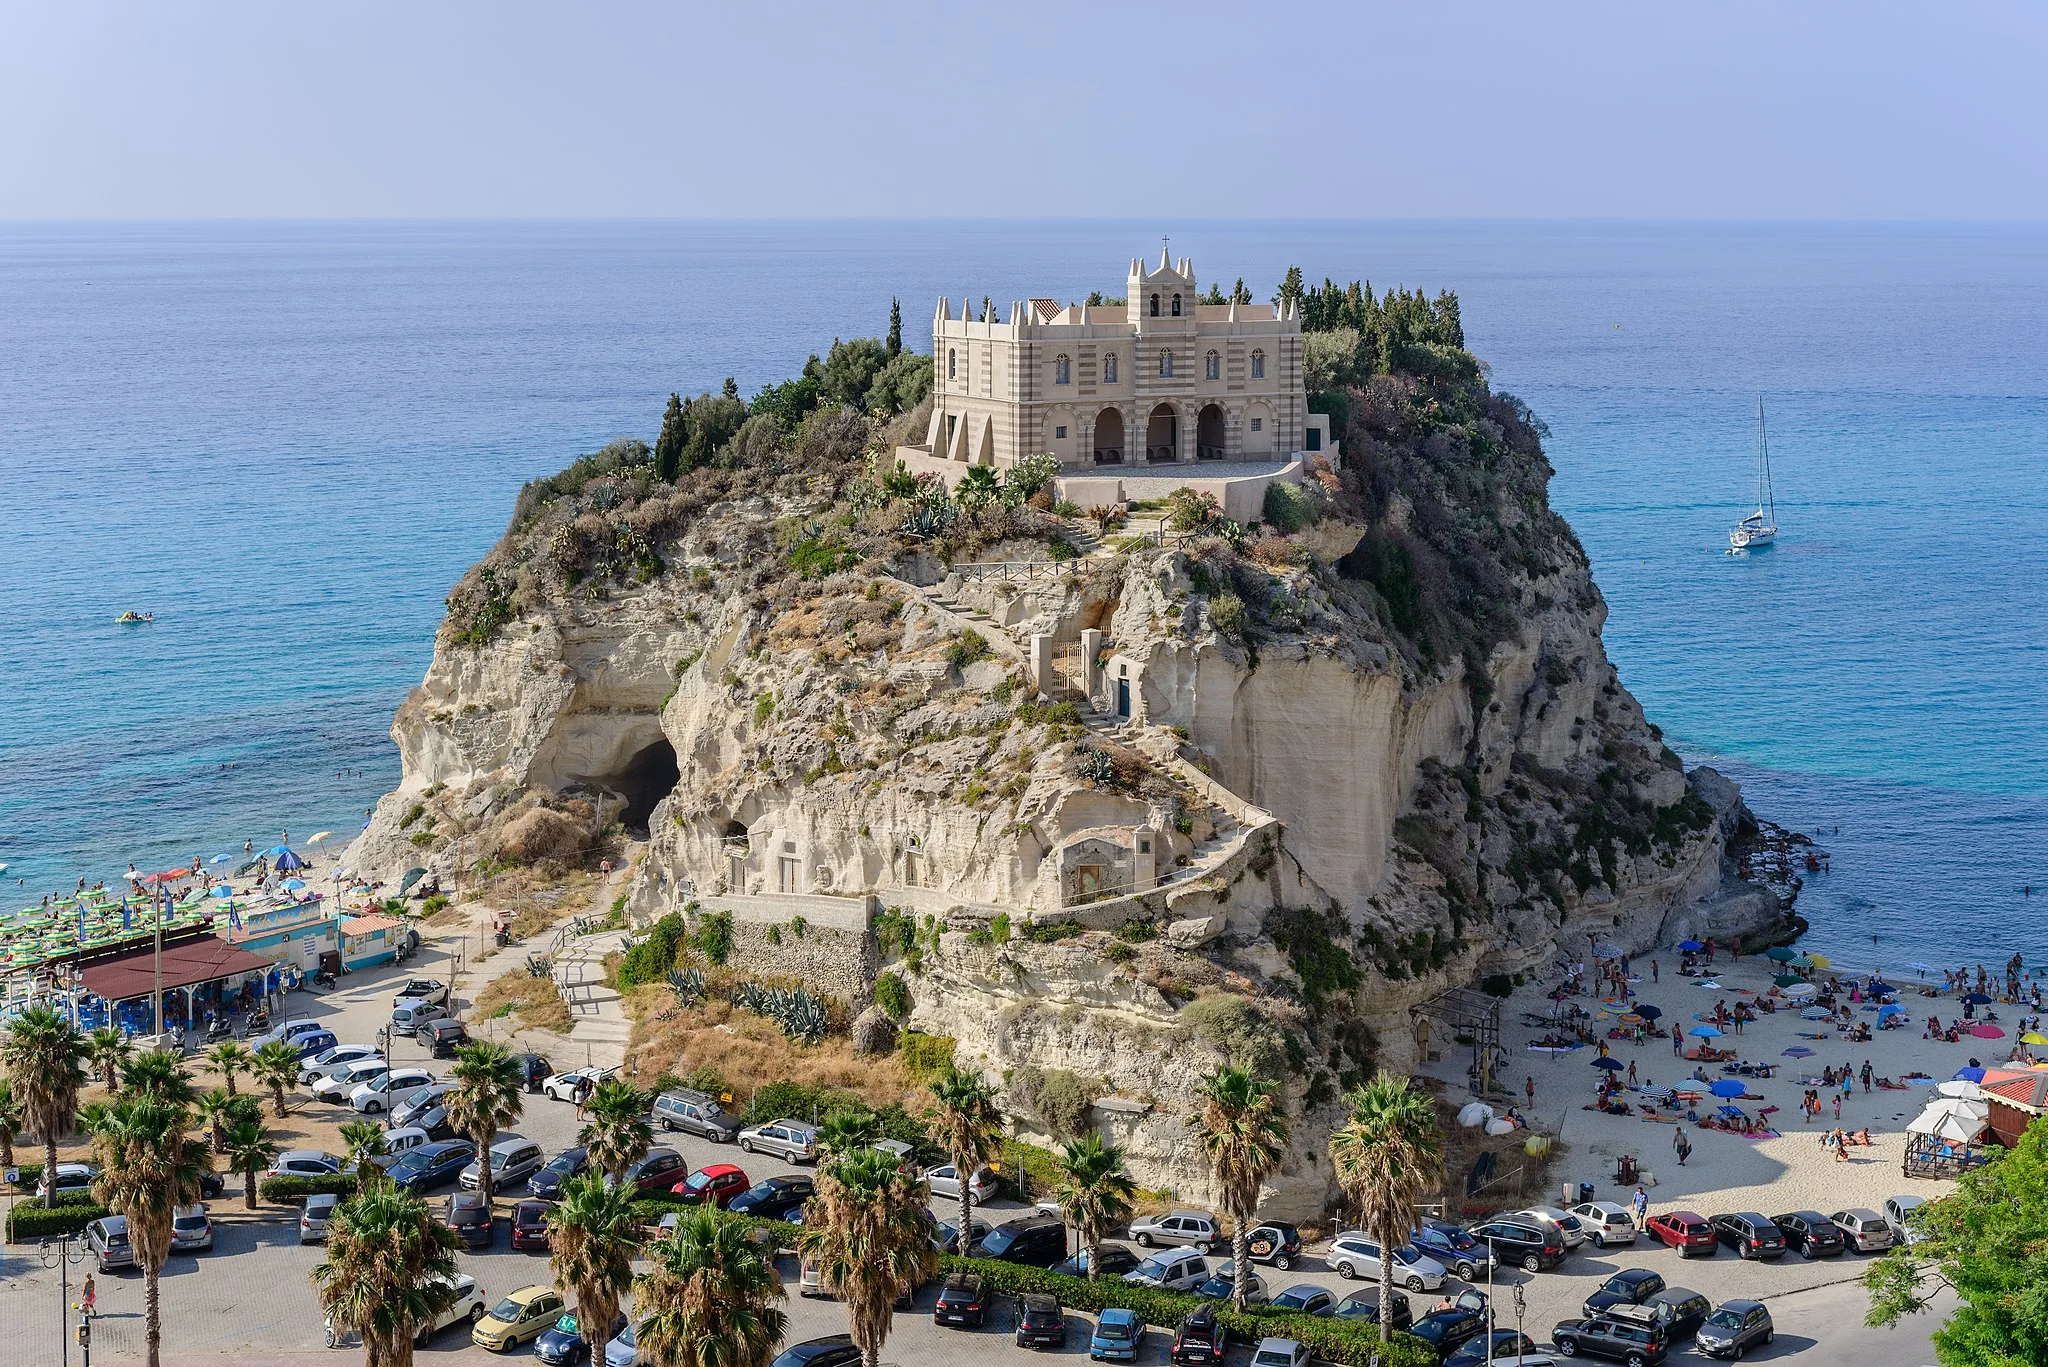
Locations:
column 1137, row 930
column 1030, row 475
column 816, row 557
column 713, row 936
column 925, row 1056
column 434, row 903
column 892, row 996
column 1233, row 1025
column 1227, row 611
column 1497, row 985
column 1190, row 510
column 1058, row 1098
column 289, row 1190
column 966, row 648
column 651, row 959
column 28, row 1221
column 795, row 1100
column 1290, row 507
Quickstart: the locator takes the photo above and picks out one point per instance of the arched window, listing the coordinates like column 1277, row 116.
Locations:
column 1155, row 306
column 1165, row 365
column 952, row 364
column 1212, row 366
column 1109, row 368
column 1176, row 306
column 1258, row 365
column 1062, row 372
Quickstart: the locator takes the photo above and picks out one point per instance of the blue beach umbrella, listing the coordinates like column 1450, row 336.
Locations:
column 289, row 861
column 1881, row 989
column 1816, row 1013
column 1976, row 999
column 1799, row 1051
column 1612, row 1065
column 222, row 858
column 223, row 891
column 1704, row 1032
column 292, row 884
column 1690, row 946
column 1968, row 1075
column 1728, row 1086
column 1894, row 1009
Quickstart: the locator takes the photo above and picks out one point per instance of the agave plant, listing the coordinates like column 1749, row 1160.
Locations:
column 750, row 997
column 688, row 985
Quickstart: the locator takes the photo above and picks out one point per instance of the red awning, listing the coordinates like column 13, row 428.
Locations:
column 203, row 960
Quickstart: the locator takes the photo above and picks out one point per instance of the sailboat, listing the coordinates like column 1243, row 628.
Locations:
column 1760, row 528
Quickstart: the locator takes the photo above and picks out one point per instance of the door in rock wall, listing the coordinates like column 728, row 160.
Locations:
column 1087, row 880
column 1123, row 697
column 788, row 875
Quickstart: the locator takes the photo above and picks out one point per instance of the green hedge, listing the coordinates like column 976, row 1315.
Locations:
column 290, row 1190
column 28, row 1222
column 27, row 1175
column 1330, row 1340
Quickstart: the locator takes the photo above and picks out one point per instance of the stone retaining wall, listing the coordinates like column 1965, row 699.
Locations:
column 831, row 949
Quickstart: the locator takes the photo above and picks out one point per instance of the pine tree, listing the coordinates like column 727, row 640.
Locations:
column 668, row 447
column 895, row 342
column 732, row 388
column 1241, row 294
column 1291, row 287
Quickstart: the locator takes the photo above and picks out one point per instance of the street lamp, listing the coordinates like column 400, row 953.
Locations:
column 58, row 1253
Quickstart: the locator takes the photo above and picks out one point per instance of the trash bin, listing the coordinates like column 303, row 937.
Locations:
column 1585, row 1192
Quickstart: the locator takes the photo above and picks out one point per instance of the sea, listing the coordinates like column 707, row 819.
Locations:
column 288, row 440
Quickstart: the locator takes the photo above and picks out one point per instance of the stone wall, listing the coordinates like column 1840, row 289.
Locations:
column 831, row 949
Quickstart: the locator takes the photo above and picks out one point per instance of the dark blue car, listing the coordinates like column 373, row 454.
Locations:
column 560, row 1343
column 432, row 1165
column 315, row 1042
column 547, row 1183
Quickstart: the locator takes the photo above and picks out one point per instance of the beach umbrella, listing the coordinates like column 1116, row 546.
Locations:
column 292, row 884
column 1799, row 961
column 1815, row 1013
column 1975, row 999
column 289, row 861
column 1820, row 960
column 223, row 891
column 412, row 875
column 1801, row 991
column 1969, row 1075
column 1879, row 988
column 1607, row 951
column 1704, row 1032
column 1650, row 1013
column 1728, row 1086
column 1893, row 1009
column 318, row 836
column 2034, row 1037
column 1612, row 1065
column 1690, row 946
column 1614, row 1008
column 1781, row 954
column 222, row 858
column 1956, row 1087
column 1788, row 980
column 1987, row 1032
column 1799, row 1051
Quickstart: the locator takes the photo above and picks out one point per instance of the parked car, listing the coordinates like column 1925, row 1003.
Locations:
column 791, row 1140
column 1629, row 1335
column 1280, row 1353
column 1447, row 1330
column 1810, row 1234
column 404, row 1139
column 944, row 1180
column 695, row 1113
column 1630, row 1286
column 1574, row 1229
column 624, row 1351
column 1222, row 1284
column 415, row 1108
column 1028, row 1240
column 1274, row 1243
column 1116, row 1260
column 339, row 1083
column 387, row 1090
column 1355, row 1257
column 1679, row 1310
column 530, row 1226
column 411, row 1014
column 563, row 1086
column 521, row 1316
column 327, row 1060
column 512, row 1161
column 1305, row 1298
column 70, row 1179
column 466, row 1306
column 1200, row 1340
column 656, row 1170
column 834, row 1350
column 774, row 1198
column 1751, row 1235
column 1040, row 1323
column 422, row 990
column 1734, row 1328
column 945, row 1234
column 534, row 1069
column 468, row 1214
column 432, row 1165
column 314, row 1217
column 1865, row 1230
column 191, row 1231
column 562, row 1342
column 1510, row 1344
column 1688, row 1231
column 1606, row 1222
column 962, row 1300
column 715, row 1185
column 547, row 1182
column 1119, row 1336
column 1176, row 1269
column 1465, row 1256
column 1365, row 1306
column 1531, row 1245
column 312, row 1043
column 288, row 1032
column 303, row 1163
column 443, row 1037
column 1898, row 1213
column 106, row 1239
column 1189, row 1228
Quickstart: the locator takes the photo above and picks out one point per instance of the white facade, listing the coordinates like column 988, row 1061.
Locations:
column 1161, row 379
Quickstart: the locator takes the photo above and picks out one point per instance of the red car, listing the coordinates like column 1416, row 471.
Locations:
column 715, row 1185
column 1685, row 1230
column 530, row 1226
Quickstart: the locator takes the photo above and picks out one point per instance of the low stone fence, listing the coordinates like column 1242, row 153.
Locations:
column 826, row 942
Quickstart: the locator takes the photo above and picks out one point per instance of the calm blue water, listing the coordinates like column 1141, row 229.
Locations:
column 289, row 440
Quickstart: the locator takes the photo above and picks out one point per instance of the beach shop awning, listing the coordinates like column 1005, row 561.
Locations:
column 127, row 976
column 369, row 925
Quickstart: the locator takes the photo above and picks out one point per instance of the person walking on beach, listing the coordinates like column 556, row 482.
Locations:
column 1529, row 1090
column 1838, row 1109
column 1631, row 1072
column 1684, row 1148
column 1641, row 1201
column 1677, row 1043
column 1866, row 1075
column 1653, row 970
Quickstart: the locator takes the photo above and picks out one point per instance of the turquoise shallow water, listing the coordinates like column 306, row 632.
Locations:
column 289, row 440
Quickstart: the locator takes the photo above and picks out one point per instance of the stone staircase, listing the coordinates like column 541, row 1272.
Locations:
column 601, row 1022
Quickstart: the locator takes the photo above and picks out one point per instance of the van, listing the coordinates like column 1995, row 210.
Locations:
column 410, row 1014
column 1172, row 1269
column 512, row 1161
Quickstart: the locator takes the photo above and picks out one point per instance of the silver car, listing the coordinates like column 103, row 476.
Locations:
column 107, row 1240
column 313, row 1219
column 791, row 1139
column 191, row 1231
column 1866, row 1230
column 1193, row 1228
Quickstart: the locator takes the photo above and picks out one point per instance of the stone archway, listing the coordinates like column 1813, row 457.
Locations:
column 1209, row 433
column 1109, row 437
column 1162, row 435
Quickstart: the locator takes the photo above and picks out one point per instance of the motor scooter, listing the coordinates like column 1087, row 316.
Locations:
column 218, row 1029
column 324, row 980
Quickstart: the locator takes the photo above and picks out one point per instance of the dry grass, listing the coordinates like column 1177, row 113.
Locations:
column 536, row 1001
column 749, row 1052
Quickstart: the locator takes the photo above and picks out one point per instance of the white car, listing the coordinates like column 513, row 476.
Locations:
column 387, row 1090
column 326, row 1061
column 944, row 1180
column 562, row 1086
column 341, row 1084
column 1356, row 1257
column 1898, row 1211
column 303, row 1163
column 1280, row 1353
column 1574, row 1229
column 1174, row 1269
column 191, row 1231
column 1606, row 1223
column 623, row 1351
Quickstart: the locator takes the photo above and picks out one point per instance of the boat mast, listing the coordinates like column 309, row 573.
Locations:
column 1766, row 497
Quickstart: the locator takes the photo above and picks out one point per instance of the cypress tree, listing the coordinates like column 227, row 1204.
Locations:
column 732, row 388
column 895, row 342
column 1240, row 294
column 1291, row 287
column 668, row 447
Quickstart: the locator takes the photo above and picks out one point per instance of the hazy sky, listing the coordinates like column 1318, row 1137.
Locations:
column 1435, row 108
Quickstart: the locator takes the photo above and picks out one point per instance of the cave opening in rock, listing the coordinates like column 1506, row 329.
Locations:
column 648, row 777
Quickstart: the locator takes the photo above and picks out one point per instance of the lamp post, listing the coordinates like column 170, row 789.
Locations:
column 59, row 1254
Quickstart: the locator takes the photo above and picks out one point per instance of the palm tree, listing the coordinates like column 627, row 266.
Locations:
column 1386, row 1157
column 593, row 1237
column 228, row 1058
column 158, row 1076
column 967, row 1125
column 364, row 1140
column 617, row 1135
column 10, row 1122
column 42, row 1053
column 869, row 1234
column 846, row 1132
column 1243, row 1133
column 276, row 1066
column 707, row 1299
column 489, row 1095
column 149, row 1167
column 249, row 1148
column 215, row 1108
column 107, row 1050
column 1095, row 1191
column 390, row 1268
